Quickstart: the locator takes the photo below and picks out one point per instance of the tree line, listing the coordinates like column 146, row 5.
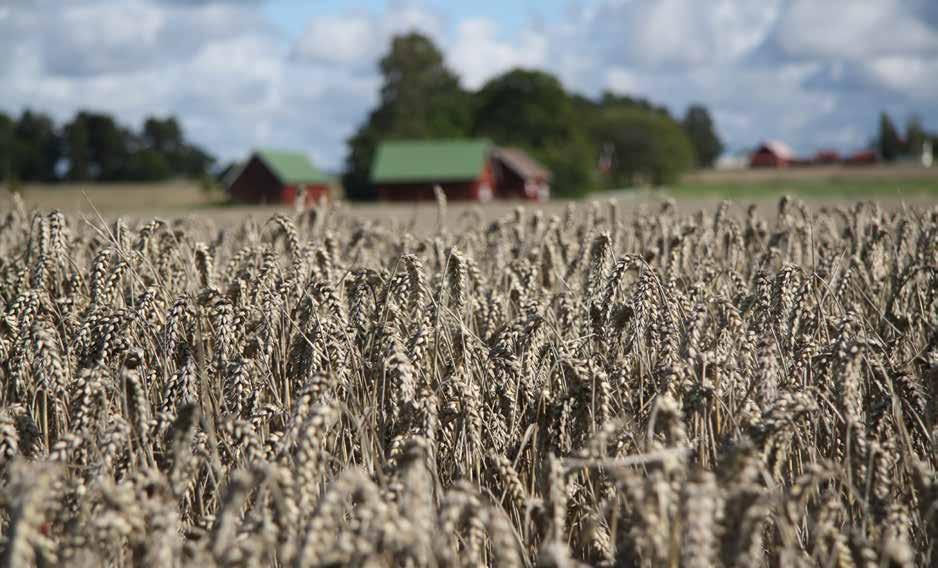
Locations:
column 610, row 141
column 604, row 142
column 94, row 147
column 893, row 146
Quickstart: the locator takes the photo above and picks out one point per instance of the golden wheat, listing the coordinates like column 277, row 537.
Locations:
column 605, row 387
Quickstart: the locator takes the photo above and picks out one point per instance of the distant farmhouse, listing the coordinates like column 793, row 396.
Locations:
column 775, row 154
column 278, row 177
column 466, row 170
column 518, row 175
column 771, row 154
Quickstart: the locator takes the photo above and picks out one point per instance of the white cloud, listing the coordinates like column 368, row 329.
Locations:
column 340, row 40
column 853, row 30
column 106, row 36
column 357, row 39
column 916, row 77
column 622, row 81
column 216, row 65
column 92, row 39
column 681, row 33
column 813, row 74
column 479, row 54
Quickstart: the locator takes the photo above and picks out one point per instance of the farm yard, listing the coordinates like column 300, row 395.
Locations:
column 623, row 382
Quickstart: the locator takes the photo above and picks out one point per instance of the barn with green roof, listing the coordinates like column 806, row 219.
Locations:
column 466, row 170
column 285, row 177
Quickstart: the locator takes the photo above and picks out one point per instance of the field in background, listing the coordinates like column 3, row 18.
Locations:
column 118, row 197
column 822, row 182
column 822, row 185
column 834, row 174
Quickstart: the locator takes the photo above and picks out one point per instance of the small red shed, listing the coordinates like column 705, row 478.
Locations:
column 518, row 175
column 771, row 154
column 827, row 157
column 862, row 158
column 279, row 176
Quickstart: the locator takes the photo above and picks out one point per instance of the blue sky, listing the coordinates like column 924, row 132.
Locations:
column 296, row 73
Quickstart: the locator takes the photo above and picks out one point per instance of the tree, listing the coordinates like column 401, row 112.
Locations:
column 888, row 142
column 77, row 149
column 420, row 98
column 147, row 165
column 192, row 161
column 6, row 148
column 524, row 107
column 421, row 95
column 646, row 147
column 163, row 136
column 699, row 128
column 915, row 136
column 613, row 100
column 532, row 110
column 100, row 149
column 36, row 148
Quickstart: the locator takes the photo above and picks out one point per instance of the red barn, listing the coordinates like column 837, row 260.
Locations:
column 518, row 175
column 466, row 170
column 771, row 154
column 407, row 170
column 277, row 176
column 827, row 157
column 862, row 158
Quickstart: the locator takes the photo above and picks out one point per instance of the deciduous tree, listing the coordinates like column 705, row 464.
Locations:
column 700, row 129
column 420, row 98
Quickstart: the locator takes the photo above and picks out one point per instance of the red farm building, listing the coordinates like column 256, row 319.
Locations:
column 518, row 175
column 862, row 158
column 771, row 154
column 466, row 170
column 277, row 176
column 827, row 157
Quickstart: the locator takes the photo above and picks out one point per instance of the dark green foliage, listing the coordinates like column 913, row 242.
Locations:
column 524, row 107
column 100, row 145
column 148, row 165
column 94, row 147
column 915, row 136
column 531, row 109
column 35, row 148
column 700, row 129
column 892, row 146
column 6, row 147
column 888, row 142
column 166, row 138
column 643, row 148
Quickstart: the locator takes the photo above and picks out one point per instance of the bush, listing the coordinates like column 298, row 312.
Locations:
column 648, row 148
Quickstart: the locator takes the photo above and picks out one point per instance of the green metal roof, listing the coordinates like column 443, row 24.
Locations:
column 291, row 167
column 429, row 160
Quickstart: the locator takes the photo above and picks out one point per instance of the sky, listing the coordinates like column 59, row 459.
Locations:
column 303, row 74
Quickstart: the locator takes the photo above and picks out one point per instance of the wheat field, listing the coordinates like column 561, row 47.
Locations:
column 604, row 386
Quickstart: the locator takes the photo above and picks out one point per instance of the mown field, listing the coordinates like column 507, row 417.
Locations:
column 599, row 384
